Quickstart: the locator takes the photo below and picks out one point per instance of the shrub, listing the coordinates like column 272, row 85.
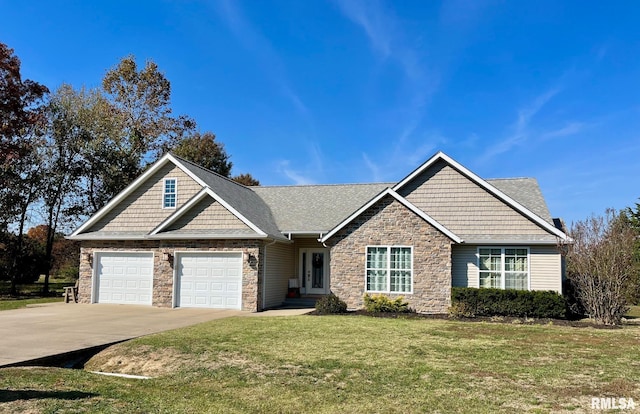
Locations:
column 381, row 303
column 330, row 304
column 460, row 310
column 509, row 302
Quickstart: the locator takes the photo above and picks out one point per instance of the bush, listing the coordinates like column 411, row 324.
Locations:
column 330, row 304
column 381, row 303
column 575, row 310
column 509, row 302
column 461, row 310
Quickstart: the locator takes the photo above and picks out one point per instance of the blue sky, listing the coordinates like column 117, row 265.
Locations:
column 355, row 91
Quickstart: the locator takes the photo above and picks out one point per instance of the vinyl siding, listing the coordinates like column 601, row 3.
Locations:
column 545, row 267
column 464, row 266
column 142, row 209
column 279, row 268
column 464, row 207
column 208, row 214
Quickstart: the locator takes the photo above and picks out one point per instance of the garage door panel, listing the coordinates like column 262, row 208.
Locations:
column 124, row 278
column 212, row 280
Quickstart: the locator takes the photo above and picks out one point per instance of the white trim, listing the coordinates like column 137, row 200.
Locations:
column 165, row 236
column 513, row 242
column 405, row 203
column 195, row 199
column 502, row 248
column 106, row 237
column 131, row 187
column 94, row 270
column 388, row 247
column 176, row 279
column 485, row 185
column 164, row 192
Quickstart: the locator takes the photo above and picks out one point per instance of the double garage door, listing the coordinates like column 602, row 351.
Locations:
column 206, row 280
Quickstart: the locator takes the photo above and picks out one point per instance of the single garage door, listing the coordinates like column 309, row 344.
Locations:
column 125, row 278
column 209, row 280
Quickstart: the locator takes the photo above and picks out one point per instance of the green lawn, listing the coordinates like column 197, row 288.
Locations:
column 7, row 304
column 634, row 312
column 34, row 290
column 351, row 364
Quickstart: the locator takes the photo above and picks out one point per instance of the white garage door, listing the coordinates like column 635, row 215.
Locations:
column 125, row 278
column 210, row 280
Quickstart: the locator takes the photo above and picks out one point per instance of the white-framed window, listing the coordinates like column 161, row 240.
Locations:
column 503, row 267
column 169, row 193
column 389, row 269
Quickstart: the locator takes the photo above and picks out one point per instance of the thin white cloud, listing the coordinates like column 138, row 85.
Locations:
column 385, row 34
column 373, row 167
column 521, row 127
column 402, row 157
column 313, row 165
column 265, row 53
column 296, row 177
column 571, row 128
column 371, row 17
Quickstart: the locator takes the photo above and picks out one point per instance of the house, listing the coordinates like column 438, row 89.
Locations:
column 183, row 236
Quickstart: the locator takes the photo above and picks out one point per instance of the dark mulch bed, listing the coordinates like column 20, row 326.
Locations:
column 495, row 319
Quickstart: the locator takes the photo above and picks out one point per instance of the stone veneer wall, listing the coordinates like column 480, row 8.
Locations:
column 163, row 270
column 389, row 223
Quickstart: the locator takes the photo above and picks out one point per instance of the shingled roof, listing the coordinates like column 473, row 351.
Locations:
column 246, row 201
column 319, row 208
column 277, row 212
column 316, row 208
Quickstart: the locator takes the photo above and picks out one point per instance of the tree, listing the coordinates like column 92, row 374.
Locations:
column 246, row 179
column 204, row 150
column 632, row 217
column 19, row 106
column 130, row 126
column 62, row 166
column 21, row 121
column 600, row 264
column 66, row 253
column 20, row 116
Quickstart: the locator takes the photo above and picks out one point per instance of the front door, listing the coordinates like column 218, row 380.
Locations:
column 314, row 268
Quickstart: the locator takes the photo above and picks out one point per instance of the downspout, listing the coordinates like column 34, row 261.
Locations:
column 264, row 273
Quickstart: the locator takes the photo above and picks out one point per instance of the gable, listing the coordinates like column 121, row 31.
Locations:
column 141, row 210
column 208, row 214
column 356, row 219
column 467, row 209
column 386, row 221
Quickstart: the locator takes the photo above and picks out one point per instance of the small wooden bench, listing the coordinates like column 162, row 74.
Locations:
column 71, row 293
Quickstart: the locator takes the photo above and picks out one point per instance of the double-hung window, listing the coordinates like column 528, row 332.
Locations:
column 504, row 267
column 389, row 269
column 169, row 194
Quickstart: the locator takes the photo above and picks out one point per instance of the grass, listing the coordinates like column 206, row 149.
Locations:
column 34, row 290
column 634, row 312
column 351, row 364
column 9, row 304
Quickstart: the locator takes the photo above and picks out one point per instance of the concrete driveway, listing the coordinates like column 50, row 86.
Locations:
column 41, row 331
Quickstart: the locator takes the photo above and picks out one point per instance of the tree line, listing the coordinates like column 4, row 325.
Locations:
column 65, row 153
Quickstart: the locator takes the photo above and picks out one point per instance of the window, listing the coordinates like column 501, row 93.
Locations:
column 389, row 269
column 504, row 268
column 169, row 193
